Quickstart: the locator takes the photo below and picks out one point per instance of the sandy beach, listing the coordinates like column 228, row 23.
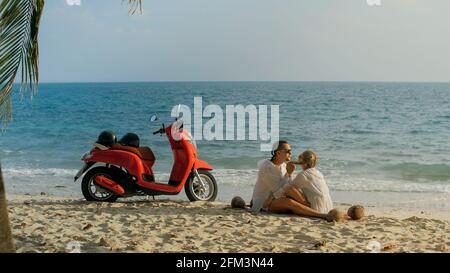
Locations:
column 60, row 224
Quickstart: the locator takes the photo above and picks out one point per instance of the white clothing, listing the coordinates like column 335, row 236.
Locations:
column 313, row 185
column 270, row 181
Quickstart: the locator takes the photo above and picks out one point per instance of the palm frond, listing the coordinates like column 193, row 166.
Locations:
column 19, row 27
column 134, row 5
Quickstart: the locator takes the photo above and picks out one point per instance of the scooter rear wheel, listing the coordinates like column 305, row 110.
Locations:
column 93, row 192
column 195, row 190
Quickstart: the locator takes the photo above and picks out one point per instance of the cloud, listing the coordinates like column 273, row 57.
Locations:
column 374, row 2
column 73, row 2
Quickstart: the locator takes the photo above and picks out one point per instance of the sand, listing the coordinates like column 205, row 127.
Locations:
column 61, row 224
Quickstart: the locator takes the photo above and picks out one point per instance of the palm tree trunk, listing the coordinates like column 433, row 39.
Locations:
column 6, row 241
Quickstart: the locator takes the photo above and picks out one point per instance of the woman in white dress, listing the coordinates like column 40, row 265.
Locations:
column 311, row 183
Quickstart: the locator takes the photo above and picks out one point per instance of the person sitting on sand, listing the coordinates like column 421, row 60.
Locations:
column 272, row 190
column 312, row 184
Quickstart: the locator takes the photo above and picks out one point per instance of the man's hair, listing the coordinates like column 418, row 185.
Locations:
column 276, row 147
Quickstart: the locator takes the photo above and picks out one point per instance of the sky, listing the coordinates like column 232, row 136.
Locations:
column 245, row 40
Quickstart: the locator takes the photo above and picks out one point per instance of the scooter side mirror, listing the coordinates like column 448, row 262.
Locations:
column 153, row 118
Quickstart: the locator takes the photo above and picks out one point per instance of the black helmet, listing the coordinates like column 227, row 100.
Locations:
column 107, row 138
column 130, row 139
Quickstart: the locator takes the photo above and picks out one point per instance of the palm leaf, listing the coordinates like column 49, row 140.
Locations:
column 19, row 25
column 134, row 5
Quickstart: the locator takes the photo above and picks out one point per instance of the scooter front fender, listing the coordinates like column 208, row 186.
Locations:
column 202, row 165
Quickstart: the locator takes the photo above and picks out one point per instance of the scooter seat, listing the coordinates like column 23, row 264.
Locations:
column 147, row 153
column 144, row 153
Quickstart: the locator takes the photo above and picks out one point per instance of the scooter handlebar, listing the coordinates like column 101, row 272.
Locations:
column 160, row 131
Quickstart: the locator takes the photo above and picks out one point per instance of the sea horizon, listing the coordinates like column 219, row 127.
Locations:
column 243, row 81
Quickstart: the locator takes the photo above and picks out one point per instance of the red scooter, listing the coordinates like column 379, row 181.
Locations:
column 126, row 168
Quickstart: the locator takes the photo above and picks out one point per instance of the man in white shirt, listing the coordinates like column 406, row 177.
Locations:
column 271, row 179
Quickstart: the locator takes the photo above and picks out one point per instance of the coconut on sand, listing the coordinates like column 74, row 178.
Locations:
column 237, row 203
column 335, row 215
column 356, row 212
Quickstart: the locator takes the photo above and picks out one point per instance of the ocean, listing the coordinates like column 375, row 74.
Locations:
column 377, row 143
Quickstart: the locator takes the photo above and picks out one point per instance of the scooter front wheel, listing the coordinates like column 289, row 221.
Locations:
column 204, row 190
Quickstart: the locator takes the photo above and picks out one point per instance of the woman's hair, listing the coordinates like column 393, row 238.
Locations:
column 276, row 147
column 309, row 158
